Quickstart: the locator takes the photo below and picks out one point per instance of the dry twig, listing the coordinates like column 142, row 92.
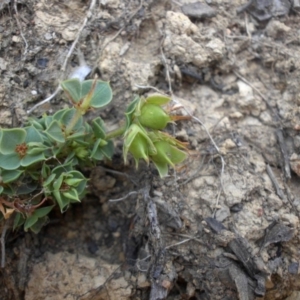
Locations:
column 2, row 241
column 71, row 50
column 87, row 17
column 20, row 27
column 285, row 157
column 275, row 183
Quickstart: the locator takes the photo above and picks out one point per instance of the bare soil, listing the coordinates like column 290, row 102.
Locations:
column 223, row 226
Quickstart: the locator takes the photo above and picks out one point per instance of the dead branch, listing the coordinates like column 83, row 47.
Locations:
column 2, row 241
column 20, row 27
column 285, row 157
column 279, row 191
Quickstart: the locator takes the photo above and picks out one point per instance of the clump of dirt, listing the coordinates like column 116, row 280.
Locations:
column 223, row 226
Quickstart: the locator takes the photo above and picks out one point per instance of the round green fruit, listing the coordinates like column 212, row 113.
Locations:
column 154, row 117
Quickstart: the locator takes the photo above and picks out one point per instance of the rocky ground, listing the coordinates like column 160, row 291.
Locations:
column 223, row 226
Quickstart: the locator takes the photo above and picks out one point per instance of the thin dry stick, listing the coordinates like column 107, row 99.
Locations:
column 284, row 154
column 251, row 85
column 186, row 236
column 125, row 197
column 247, row 27
column 71, row 50
column 20, row 28
column 279, row 191
column 120, row 174
column 167, row 71
column 149, row 87
column 2, row 241
column 88, row 16
column 179, row 243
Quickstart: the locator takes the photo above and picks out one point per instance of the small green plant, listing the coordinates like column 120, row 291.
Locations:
column 40, row 163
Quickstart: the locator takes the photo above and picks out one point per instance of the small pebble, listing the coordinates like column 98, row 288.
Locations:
column 42, row 63
column 198, row 10
column 92, row 246
column 293, row 268
column 48, row 36
column 236, row 207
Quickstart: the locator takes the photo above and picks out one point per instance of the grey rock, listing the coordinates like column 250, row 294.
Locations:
column 198, row 10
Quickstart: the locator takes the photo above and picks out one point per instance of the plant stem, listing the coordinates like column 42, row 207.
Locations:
column 115, row 133
column 73, row 122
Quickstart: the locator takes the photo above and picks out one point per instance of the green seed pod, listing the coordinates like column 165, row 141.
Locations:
column 139, row 148
column 166, row 153
column 137, row 143
column 154, row 117
column 163, row 154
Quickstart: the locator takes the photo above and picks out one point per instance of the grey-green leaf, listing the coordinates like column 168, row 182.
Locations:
column 54, row 131
column 10, row 139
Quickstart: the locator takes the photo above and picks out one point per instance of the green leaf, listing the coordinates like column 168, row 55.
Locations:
column 1, row 189
column 26, row 188
column 68, row 116
column 102, row 94
column 77, row 134
column 66, row 167
column 10, row 162
column 98, row 128
column 77, row 90
column 45, row 170
column 58, row 115
column 8, row 190
column 35, row 175
column 36, row 227
column 31, row 159
column 10, row 139
column 162, row 168
column 108, row 149
column 70, row 157
column 18, row 221
column 42, row 212
column 49, row 180
column 61, row 200
column 82, row 185
column 73, row 181
column 9, row 176
column 167, row 155
column 130, row 111
column 73, row 88
column 35, row 123
column 35, row 150
column 32, row 135
column 137, row 142
column 158, row 99
column 54, row 131
column 57, row 183
column 177, row 155
column 30, row 221
column 47, row 120
column 96, row 152
column 71, row 194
